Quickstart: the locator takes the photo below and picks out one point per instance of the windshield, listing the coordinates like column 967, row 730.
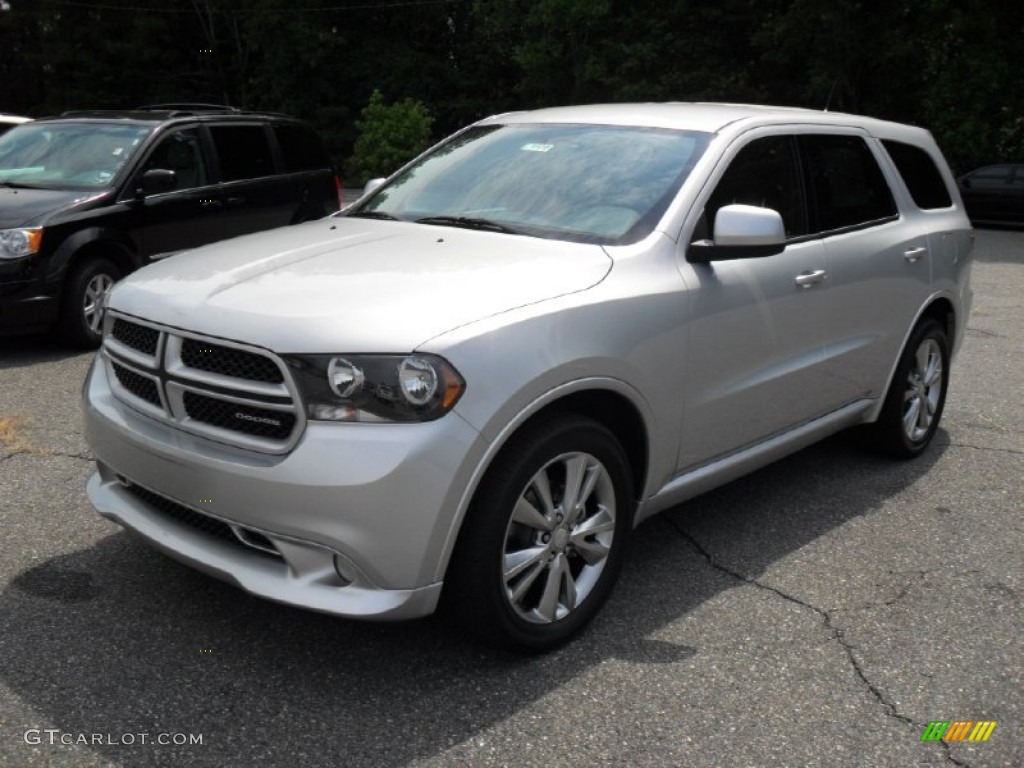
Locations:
column 586, row 183
column 77, row 155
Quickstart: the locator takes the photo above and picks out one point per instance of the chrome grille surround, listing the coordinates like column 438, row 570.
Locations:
column 269, row 415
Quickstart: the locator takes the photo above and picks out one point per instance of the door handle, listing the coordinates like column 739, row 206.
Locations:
column 235, row 200
column 807, row 279
column 914, row 254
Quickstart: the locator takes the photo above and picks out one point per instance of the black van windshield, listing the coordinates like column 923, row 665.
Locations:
column 85, row 155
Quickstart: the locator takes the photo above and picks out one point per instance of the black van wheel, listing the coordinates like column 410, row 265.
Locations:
column 81, row 311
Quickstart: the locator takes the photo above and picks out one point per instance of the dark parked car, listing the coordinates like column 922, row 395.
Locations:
column 994, row 193
column 87, row 197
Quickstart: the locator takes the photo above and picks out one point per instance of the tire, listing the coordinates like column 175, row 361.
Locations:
column 79, row 322
column 916, row 397
column 527, row 573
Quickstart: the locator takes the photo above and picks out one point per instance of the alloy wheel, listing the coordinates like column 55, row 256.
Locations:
column 559, row 538
column 924, row 390
column 92, row 300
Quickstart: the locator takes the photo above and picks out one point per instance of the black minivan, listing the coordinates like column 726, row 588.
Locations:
column 87, row 197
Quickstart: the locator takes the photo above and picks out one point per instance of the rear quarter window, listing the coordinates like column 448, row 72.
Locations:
column 301, row 148
column 920, row 174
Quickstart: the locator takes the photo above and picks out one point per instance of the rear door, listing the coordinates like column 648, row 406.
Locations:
column 254, row 194
column 880, row 261
column 310, row 177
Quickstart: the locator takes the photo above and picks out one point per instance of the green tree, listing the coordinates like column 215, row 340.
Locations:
column 389, row 136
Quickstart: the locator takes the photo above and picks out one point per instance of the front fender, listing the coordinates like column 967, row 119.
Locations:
column 477, row 465
column 66, row 252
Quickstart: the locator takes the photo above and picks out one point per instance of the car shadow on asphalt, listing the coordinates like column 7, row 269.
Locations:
column 116, row 638
column 22, row 350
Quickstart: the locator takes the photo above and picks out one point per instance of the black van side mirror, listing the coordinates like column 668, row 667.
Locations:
column 155, row 181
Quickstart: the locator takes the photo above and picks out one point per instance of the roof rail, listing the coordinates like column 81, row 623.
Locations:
column 188, row 107
column 108, row 113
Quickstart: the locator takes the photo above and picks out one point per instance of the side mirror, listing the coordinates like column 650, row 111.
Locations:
column 155, row 181
column 372, row 185
column 741, row 232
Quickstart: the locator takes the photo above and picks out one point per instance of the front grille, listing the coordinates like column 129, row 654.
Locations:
column 231, row 394
column 228, row 361
column 261, row 422
column 139, row 337
column 210, row 526
column 140, row 386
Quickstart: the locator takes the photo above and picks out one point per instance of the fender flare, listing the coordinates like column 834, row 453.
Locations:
column 484, row 461
column 68, row 252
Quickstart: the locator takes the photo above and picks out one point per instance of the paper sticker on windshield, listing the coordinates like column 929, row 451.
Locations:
column 537, row 147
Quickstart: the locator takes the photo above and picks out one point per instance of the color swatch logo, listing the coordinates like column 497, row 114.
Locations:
column 958, row 730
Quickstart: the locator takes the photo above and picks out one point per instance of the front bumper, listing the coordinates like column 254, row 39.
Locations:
column 353, row 521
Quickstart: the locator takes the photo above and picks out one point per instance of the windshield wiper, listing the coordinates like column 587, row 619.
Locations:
column 468, row 222
column 14, row 184
column 373, row 215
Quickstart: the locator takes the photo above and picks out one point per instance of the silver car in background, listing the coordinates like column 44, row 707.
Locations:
column 469, row 387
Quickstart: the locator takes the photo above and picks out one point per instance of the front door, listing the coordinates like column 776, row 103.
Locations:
column 187, row 216
column 757, row 325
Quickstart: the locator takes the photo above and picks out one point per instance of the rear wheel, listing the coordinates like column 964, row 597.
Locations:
column 917, row 395
column 545, row 536
column 82, row 303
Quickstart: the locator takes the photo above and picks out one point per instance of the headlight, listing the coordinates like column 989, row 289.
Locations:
column 15, row 243
column 415, row 387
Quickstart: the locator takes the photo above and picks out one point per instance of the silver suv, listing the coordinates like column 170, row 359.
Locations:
column 468, row 388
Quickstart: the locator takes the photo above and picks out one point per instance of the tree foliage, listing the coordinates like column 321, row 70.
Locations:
column 950, row 65
column 389, row 136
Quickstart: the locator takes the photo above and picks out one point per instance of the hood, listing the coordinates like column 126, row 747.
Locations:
column 29, row 207
column 24, row 207
column 355, row 285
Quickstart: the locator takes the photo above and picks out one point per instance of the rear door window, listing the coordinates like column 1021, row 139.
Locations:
column 301, row 148
column 845, row 184
column 243, row 150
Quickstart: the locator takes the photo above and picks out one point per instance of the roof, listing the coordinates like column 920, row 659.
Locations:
column 693, row 116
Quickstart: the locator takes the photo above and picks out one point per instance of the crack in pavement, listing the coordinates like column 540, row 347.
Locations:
column 836, row 632
column 984, row 332
column 12, row 454
column 43, row 454
column 1014, row 451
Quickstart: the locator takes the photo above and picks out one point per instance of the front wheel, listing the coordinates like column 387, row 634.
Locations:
column 81, row 310
column 545, row 536
column 917, row 395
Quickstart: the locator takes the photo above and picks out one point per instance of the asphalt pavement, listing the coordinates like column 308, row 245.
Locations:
column 820, row 612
